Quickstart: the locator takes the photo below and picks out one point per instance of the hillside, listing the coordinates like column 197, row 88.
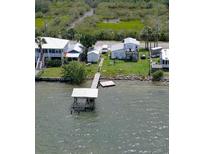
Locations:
column 112, row 19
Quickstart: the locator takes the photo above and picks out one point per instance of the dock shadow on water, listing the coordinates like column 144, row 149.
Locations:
column 132, row 117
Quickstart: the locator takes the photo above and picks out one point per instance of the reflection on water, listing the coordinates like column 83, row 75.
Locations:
column 131, row 117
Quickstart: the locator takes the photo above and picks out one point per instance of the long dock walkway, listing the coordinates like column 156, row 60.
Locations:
column 95, row 80
column 97, row 75
column 89, row 94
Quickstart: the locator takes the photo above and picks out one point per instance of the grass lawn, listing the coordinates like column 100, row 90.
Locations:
column 109, row 68
column 56, row 71
column 51, row 72
column 128, row 25
column 121, row 67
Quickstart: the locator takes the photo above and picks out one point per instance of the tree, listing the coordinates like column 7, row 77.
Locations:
column 158, row 75
column 87, row 41
column 147, row 35
column 40, row 41
column 68, row 34
column 74, row 71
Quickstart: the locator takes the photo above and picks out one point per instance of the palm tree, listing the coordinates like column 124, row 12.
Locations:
column 40, row 41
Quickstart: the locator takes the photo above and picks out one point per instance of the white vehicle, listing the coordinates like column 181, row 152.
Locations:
column 104, row 48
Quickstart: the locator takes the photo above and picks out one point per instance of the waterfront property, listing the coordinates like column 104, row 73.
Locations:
column 93, row 56
column 164, row 58
column 53, row 48
column 74, row 51
column 127, row 50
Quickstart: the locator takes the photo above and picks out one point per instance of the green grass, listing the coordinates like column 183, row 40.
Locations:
column 56, row 71
column 128, row 25
column 109, row 68
column 39, row 22
column 121, row 67
column 52, row 72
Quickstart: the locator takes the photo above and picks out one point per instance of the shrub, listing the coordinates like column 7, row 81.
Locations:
column 156, row 76
column 53, row 63
column 75, row 71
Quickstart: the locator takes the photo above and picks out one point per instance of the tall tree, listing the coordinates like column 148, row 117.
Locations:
column 40, row 41
column 87, row 41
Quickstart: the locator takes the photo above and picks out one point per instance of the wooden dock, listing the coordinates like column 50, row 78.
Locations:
column 88, row 95
column 95, row 81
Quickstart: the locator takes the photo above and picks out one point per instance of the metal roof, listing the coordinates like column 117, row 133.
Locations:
column 131, row 40
column 76, row 47
column 53, row 43
column 94, row 51
column 85, row 93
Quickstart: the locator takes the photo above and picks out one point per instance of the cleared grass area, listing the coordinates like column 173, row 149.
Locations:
column 52, row 72
column 121, row 67
column 55, row 72
column 109, row 68
column 128, row 25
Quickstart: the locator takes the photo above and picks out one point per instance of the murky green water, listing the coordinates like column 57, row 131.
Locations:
column 132, row 117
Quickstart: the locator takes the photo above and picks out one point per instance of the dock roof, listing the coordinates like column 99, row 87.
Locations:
column 85, row 93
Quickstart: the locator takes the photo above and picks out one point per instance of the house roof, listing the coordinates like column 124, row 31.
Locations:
column 53, row 43
column 165, row 54
column 94, row 51
column 131, row 40
column 119, row 46
column 76, row 47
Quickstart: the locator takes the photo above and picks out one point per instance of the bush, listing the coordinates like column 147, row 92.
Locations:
column 157, row 76
column 53, row 63
column 75, row 71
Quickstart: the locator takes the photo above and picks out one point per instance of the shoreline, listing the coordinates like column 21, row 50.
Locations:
column 124, row 78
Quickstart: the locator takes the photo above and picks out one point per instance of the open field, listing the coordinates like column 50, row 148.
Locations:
column 134, row 24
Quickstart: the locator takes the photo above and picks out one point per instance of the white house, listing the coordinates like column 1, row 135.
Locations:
column 118, row 51
column 126, row 50
column 164, row 58
column 93, row 56
column 53, row 49
column 74, row 51
column 155, row 52
column 131, row 44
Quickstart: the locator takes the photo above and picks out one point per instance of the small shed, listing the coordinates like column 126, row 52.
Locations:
column 93, row 56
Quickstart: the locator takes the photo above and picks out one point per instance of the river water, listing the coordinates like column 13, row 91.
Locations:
column 132, row 117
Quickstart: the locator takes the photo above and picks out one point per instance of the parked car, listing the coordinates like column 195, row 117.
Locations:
column 143, row 56
column 104, row 49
